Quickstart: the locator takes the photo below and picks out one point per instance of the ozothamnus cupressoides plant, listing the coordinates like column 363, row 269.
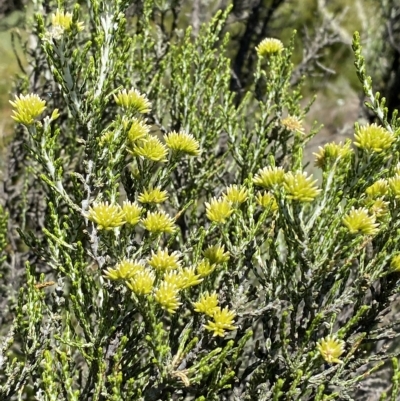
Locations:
column 177, row 248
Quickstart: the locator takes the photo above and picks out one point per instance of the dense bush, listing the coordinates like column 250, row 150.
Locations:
column 161, row 239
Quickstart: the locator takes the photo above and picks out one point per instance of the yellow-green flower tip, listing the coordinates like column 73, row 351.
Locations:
column 292, row 123
column 63, row 20
column 174, row 277
column 106, row 216
column 142, row 282
column 269, row 177
column 163, row 260
column 138, row 130
column 132, row 212
column 182, row 142
column 267, row 200
column 218, row 210
column 332, row 152
column 158, row 222
column 331, row 349
column 378, row 189
column 236, row 195
column 223, row 320
column 216, row 254
column 152, row 149
column 133, row 100
column 55, row 114
column 299, row 187
column 124, row 270
column 379, row 208
column 373, row 138
column 205, row 268
column 269, row 46
column 167, row 295
column 27, row 108
column 189, row 278
column 360, row 221
column 207, row 304
column 153, row 195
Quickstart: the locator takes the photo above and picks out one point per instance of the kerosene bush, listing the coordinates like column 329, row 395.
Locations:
column 162, row 242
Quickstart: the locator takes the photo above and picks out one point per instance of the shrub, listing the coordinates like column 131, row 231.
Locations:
column 174, row 246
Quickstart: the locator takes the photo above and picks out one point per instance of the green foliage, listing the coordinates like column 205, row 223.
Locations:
column 203, row 264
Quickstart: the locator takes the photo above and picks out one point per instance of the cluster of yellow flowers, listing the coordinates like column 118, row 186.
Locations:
column 163, row 277
column 370, row 138
column 376, row 205
column 222, row 318
column 298, row 185
column 109, row 216
column 219, row 209
column 141, row 142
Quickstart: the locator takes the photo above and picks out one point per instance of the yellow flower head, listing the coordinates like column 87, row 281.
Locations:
column 269, row 177
column 359, row 221
column 205, row 268
column 395, row 263
column 373, row 138
column 27, row 108
column 331, row 152
column 267, row 200
column 63, row 20
column 269, row 46
column 174, row 277
column 163, row 261
column 218, row 210
column 138, row 130
column 379, row 208
column 189, row 278
column 106, row 216
column 292, row 123
column 236, row 195
column 299, row 187
column 132, row 212
column 223, row 320
column 216, row 254
column 159, row 222
column 133, row 100
column 151, row 148
column 208, row 304
column 153, row 195
column 394, row 185
column 142, row 282
column 167, row 295
column 331, row 349
column 124, row 270
column 182, row 142
column 378, row 189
